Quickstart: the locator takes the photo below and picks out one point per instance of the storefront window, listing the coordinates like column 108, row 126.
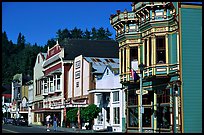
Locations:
column 163, row 117
column 132, row 97
column 100, row 117
column 133, row 117
column 116, row 115
column 146, row 117
column 148, row 98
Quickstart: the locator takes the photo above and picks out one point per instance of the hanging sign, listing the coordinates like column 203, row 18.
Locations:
column 143, row 92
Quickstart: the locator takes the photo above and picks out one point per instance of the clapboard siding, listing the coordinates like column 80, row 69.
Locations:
column 191, row 30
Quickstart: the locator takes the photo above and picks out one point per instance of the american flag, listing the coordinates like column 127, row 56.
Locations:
column 134, row 75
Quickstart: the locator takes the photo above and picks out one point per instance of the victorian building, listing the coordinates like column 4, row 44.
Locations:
column 19, row 96
column 51, row 86
column 159, row 35
column 109, row 95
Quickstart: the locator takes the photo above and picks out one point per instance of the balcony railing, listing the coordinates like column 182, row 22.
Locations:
column 158, row 70
column 161, row 69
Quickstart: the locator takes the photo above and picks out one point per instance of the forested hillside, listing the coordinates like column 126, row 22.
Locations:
column 20, row 57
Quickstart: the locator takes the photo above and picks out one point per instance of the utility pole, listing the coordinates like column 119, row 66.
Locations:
column 141, row 67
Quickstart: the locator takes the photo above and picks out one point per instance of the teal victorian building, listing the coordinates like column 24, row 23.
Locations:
column 167, row 38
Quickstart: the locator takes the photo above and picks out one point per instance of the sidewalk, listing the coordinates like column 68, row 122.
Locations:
column 63, row 129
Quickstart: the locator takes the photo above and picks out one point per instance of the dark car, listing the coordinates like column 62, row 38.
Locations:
column 21, row 122
column 9, row 121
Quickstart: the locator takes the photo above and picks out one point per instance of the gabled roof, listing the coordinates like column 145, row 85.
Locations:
column 90, row 48
column 100, row 64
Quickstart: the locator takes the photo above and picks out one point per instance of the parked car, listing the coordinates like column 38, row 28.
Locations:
column 21, row 122
column 9, row 121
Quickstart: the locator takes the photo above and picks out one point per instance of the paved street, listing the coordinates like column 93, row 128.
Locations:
column 8, row 128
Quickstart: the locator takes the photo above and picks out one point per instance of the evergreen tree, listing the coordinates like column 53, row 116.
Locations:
column 94, row 34
column 76, row 33
column 87, row 35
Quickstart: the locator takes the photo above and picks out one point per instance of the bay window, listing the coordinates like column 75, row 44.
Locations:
column 160, row 50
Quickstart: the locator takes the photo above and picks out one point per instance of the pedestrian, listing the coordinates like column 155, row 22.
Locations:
column 55, row 120
column 48, row 122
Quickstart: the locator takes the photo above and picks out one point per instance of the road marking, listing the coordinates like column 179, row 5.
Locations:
column 10, row 131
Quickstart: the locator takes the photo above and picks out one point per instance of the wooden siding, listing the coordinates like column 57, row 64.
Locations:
column 172, row 48
column 191, row 43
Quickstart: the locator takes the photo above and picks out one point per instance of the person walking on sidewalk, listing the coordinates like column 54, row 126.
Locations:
column 48, row 122
column 55, row 120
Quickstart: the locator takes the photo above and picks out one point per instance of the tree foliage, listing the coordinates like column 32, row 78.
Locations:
column 20, row 57
column 90, row 112
column 72, row 115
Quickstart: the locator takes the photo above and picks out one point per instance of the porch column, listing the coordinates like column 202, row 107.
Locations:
column 155, row 112
column 175, row 100
column 62, row 117
column 127, row 63
column 171, row 108
column 179, row 109
column 153, row 54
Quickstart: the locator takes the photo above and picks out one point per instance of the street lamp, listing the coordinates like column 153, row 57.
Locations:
column 141, row 67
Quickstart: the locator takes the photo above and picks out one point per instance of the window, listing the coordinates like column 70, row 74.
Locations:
column 41, row 84
column 133, row 117
column 77, row 74
column 150, row 51
column 115, row 96
column 145, row 52
column 134, row 57
column 108, row 114
column 54, row 83
column 100, row 117
column 124, row 59
column 121, row 60
column 99, row 97
column 163, row 117
column 77, row 84
column 58, row 82
column 146, row 117
column 51, row 84
column 45, row 86
column 132, row 97
column 148, row 98
column 116, row 115
column 77, row 64
column 160, row 50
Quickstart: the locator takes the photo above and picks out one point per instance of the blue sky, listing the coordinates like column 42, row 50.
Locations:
column 39, row 21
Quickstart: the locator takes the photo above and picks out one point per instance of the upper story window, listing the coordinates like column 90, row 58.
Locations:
column 134, row 58
column 159, row 14
column 160, row 50
column 115, row 96
column 145, row 52
column 58, row 82
column 121, row 61
column 51, row 84
column 150, row 51
column 45, row 86
column 99, row 97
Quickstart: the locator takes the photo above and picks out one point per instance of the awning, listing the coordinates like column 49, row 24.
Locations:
column 51, row 60
column 103, row 90
column 47, row 110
